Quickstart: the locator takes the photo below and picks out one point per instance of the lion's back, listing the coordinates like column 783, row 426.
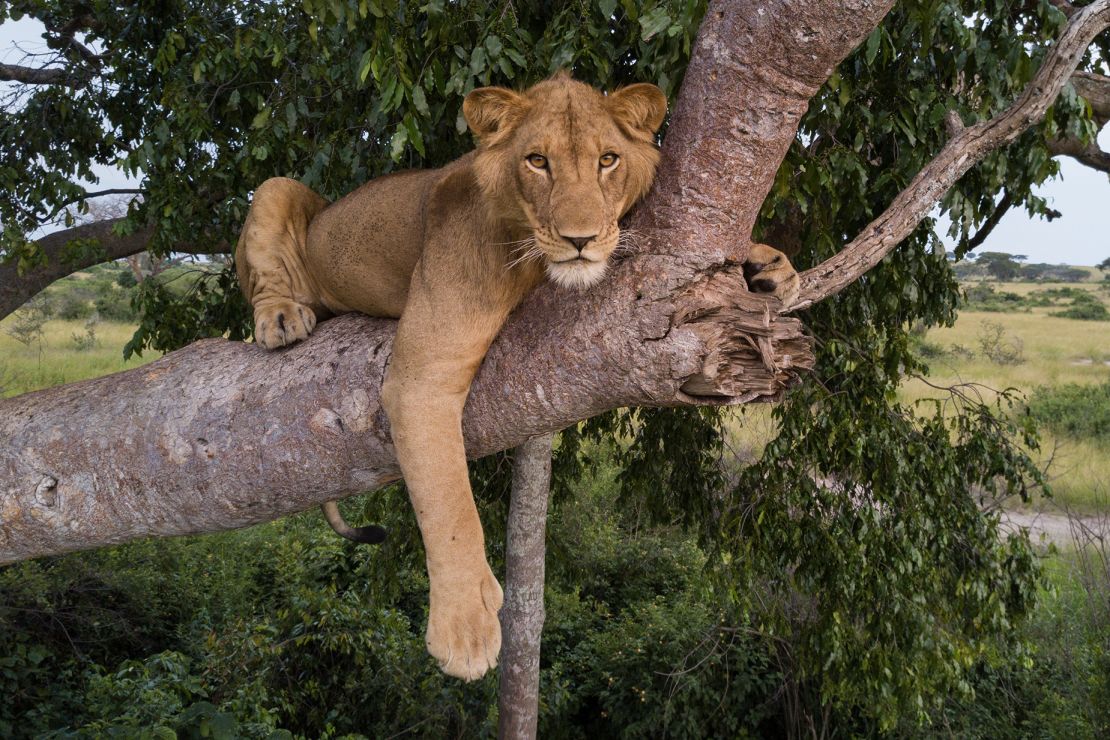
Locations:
column 362, row 249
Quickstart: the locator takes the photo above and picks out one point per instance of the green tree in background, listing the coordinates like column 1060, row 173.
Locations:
column 1001, row 265
column 854, row 550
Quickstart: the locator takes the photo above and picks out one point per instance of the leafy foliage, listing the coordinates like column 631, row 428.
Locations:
column 858, row 503
column 1076, row 410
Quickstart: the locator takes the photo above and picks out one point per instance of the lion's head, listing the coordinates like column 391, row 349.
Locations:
column 566, row 162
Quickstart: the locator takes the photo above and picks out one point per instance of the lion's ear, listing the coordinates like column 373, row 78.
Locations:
column 641, row 107
column 489, row 110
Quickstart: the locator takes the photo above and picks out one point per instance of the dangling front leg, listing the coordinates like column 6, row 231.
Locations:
column 435, row 356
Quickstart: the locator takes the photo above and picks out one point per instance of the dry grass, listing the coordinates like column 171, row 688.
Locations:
column 1055, row 351
column 56, row 360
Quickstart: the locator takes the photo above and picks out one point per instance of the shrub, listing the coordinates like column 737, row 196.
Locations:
column 1076, row 410
column 115, row 305
column 984, row 297
column 1085, row 311
column 74, row 305
column 87, row 341
column 999, row 348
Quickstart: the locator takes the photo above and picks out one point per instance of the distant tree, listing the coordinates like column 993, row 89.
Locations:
column 1066, row 274
column 1001, row 265
column 1104, row 265
column 1035, row 271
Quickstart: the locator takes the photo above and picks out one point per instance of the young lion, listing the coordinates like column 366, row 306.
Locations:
column 451, row 252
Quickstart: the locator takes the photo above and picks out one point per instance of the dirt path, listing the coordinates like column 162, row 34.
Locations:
column 1057, row 527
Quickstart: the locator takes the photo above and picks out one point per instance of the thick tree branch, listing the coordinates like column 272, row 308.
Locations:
column 1089, row 154
column 221, row 435
column 1095, row 89
column 47, row 76
column 16, row 289
column 966, row 148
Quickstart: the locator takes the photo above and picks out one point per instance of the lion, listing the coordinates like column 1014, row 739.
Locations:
column 451, row 252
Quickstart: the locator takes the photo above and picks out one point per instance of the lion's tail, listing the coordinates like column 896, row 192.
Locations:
column 369, row 535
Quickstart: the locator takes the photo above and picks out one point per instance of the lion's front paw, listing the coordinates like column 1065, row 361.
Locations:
column 464, row 635
column 769, row 271
column 282, row 322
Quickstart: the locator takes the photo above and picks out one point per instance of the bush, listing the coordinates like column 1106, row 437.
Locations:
column 87, row 341
column 1081, row 411
column 984, row 297
column 1086, row 311
column 73, row 305
column 115, row 305
column 999, row 348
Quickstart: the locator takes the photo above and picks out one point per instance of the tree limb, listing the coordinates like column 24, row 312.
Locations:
column 522, row 614
column 36, row 76
column 16, row 289
column 1095, row 88
column 964, row 149
column 1086, row 153
column 221, row 435
column 1000, row 209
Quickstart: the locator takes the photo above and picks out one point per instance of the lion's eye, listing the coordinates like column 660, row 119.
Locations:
column 537, row 160
column 607, row 160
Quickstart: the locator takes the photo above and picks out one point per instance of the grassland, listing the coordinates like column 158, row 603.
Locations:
column 55, row 359
column 1053, row 351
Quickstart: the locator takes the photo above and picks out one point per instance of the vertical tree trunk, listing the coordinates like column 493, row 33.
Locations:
column 522, row 614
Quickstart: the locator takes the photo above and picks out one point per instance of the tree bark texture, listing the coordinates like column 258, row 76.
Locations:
column 221, row 435
column 522, row 614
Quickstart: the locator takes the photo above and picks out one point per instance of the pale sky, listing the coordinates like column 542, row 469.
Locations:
column 1080, row 237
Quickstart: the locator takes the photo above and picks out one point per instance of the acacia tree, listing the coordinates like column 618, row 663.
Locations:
column 776, row 131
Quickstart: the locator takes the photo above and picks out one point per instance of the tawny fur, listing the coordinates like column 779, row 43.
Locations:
column 451, row 252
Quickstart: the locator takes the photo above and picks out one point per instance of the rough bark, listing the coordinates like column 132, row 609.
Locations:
column 221, row 435
column 522, row 614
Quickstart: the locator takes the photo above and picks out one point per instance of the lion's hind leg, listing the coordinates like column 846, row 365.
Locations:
column 271, row 265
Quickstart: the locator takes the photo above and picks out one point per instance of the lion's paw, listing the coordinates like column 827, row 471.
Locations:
column 464, row 635
column 282, row 322
column 769, row 271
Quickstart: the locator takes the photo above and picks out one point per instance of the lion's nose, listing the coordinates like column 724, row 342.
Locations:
column 579, row 242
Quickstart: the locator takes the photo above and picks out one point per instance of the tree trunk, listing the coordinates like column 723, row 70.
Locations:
column 522, row 614
column 221, row 435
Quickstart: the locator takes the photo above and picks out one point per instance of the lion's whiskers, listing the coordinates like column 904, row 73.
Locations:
column 628, row 242
column 529, row 251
